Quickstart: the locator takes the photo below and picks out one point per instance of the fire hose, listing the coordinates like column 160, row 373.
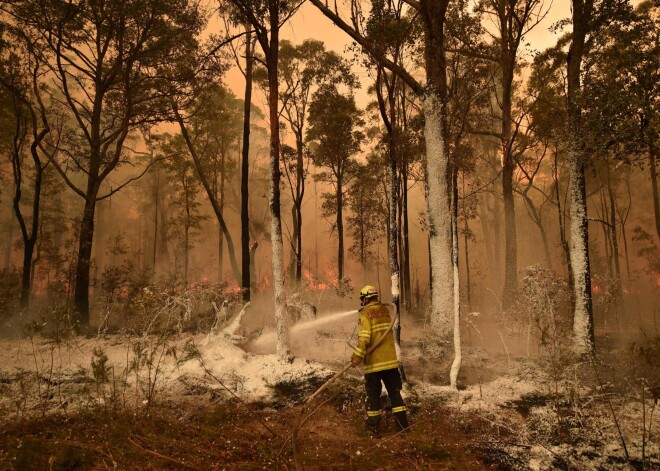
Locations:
column 299, row 419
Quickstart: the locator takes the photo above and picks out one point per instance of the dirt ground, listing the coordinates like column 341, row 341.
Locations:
column 224, row 435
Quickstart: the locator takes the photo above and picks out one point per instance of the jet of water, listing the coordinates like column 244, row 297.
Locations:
column 327, row 319
column 269, row 337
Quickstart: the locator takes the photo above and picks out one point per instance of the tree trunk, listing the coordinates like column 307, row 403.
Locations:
column 29, row 238
column 8, row 247
column 406, row 240
column 625, row 250
column 437, row 161
column 186, row 236
column 439, row 221
column 466, row 248
column 607, row 238
column 654, row 186
column 562, row 230
column 253, row 271
column 245, row 165
column 209, row 192
column 487, row 231
column 466, row 242
column 615, row 241
column 222, row 209
column 28, row 252
column 86, row 238
column 405, row 259
column 340, row 230
column 155, row 238
column 394, row 204
column 583, row 319
column 272, row 57
column 300, row 192
column 535, row 216
column 293, row 258
column 363, row 255
column 456, row 364
column 508, row 166
column 623, row 234
column 38, row 248
column 399, row 240
column 583, row 328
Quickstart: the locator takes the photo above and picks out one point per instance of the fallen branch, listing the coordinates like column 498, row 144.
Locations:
column 161, row 456
column 230, row 331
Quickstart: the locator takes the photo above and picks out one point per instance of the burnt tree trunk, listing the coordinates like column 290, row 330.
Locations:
column 29, row 236
column 83, row 265
column 300, row 193
column 245, row 167
column 221, row 203
column 615, row 240
column 405, row 259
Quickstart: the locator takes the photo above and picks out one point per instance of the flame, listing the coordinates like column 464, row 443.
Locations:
column 333, row 277
column 265, row 283
column 312, row 282
column 595, row 288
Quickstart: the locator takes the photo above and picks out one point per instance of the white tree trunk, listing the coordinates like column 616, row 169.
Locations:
column 582, row 320
column 439, row 218
column 456, row 365
column 397, row 323
column 278, row 283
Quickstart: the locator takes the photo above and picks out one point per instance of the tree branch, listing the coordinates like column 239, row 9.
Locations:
column 130, row 180
column 417, row 87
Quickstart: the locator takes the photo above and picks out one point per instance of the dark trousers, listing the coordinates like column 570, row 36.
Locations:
column 392, row 381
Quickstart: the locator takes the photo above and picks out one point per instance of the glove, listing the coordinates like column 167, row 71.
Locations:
column 355, row 362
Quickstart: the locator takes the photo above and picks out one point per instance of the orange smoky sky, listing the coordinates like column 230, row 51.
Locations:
column 309, row 23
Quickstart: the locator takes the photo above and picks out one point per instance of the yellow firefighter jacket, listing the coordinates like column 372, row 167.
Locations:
column 374, row 321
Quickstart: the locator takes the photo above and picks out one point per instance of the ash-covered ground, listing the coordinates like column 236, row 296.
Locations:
column 514, row 408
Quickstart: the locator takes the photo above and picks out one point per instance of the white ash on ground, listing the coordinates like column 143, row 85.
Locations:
column 534, row 427
column 253, row 377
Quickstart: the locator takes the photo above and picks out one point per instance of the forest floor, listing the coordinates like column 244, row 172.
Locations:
column 194, row 401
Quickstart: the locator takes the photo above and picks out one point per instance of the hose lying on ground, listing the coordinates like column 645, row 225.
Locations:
column 299, row 419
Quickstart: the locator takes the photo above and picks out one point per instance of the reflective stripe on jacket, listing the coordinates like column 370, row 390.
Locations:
column 374, row 320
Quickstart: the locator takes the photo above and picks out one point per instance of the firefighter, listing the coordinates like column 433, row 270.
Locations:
column 382, row 364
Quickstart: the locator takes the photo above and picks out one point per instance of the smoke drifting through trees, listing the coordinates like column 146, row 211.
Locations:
column 472, row 153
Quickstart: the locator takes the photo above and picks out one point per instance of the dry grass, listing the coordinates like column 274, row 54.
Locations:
column 220, row 435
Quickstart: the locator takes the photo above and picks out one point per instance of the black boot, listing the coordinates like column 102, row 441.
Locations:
column 373, row 426
column 401, row 420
